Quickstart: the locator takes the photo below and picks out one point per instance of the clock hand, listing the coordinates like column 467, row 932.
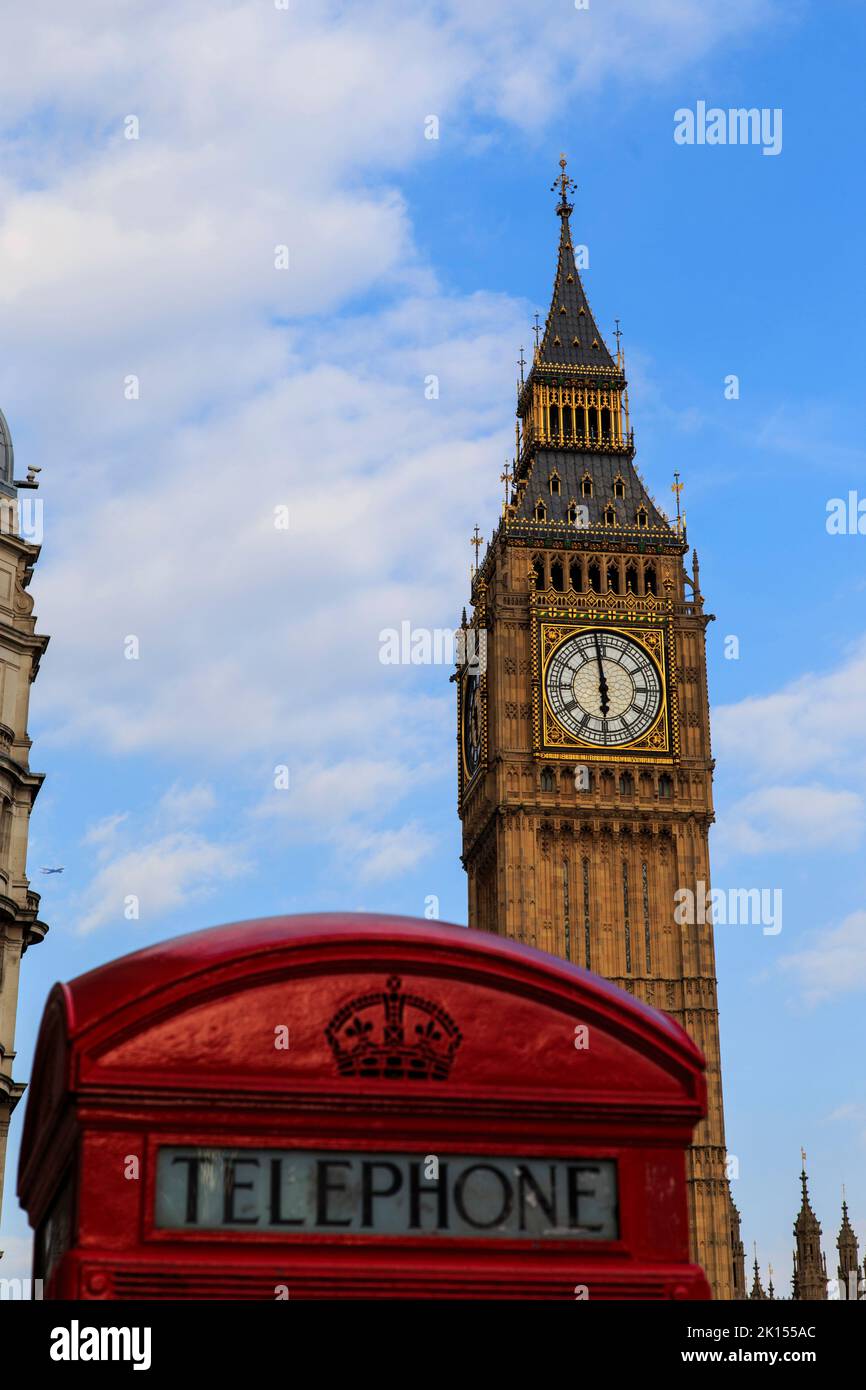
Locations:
column 602, row 683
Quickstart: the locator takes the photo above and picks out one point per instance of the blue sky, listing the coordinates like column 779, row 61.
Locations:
column 260, row 387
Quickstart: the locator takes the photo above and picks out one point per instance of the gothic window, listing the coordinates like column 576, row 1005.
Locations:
column 538, row 571
column 618, row 487
column 666, row 787
column 642, row 517
column 649, row 580
column 554, row 419
column 555, row 485
column 593, row 424
column 613, row 578
column 572, row 512
column 626, row 784
column 586, row 485
column 594, row 573
column 575, row 577
column 548, row 781
column 556, row 576
column 540, row 511
column 631, row 578
column 605, row 424
column 609, row 516
column 567, row 421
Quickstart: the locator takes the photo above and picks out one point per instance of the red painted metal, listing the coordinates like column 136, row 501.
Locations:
column 175, row 1045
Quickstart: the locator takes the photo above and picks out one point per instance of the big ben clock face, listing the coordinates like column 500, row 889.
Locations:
column 471, row 706
column 603, row 688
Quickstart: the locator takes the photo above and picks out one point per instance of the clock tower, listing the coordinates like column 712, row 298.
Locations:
column 585, row 770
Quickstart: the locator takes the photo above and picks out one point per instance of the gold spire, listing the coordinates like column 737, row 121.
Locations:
column 476, row 540
column 565, row 185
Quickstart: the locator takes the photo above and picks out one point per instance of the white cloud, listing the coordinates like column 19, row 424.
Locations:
column 833, row 964
column 385, row 854
column 779, row 819
column 814, row 727
column 183, row 805
column 155, row 257
column 162, row 873
column 104, row 832
column 815, row 722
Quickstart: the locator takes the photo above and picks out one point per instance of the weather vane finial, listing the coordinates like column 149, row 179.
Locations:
column 565, row 185
column 677, row 489
column 476, row 540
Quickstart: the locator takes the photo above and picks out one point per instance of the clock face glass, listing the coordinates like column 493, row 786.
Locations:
column 603, row 688
column 471, row 724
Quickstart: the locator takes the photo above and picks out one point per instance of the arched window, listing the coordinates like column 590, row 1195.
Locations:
column 610, row 516
column 548, row 781
column 572, row 512
column 593, row 424
column 556, row 576
column 605, row 424
column 618, row 487
column 586, row 485
column 540, row 511
column 626, row 784
column 554, row 419
column 631, row 578
column 613, row 578
column 649, row 580
column 555, row 485
column 575, row 576
column 567, row 421
column 538, row 571
column 5, row 827
column 594, row 573
column 642, row 517
column 666, row 787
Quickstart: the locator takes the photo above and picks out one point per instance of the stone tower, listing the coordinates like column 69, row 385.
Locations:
column 810, row 1266
column 585, row 770
column 738, row 1256
column 757, row 1286
column 20, row 651
column 848, row 1271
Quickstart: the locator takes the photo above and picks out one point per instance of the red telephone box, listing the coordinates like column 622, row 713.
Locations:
column 357, row 1106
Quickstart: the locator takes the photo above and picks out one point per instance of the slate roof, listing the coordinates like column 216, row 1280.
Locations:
column 571, row 329
column 603, row 469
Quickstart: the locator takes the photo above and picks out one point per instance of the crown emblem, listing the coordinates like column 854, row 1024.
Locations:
column 393, row 1035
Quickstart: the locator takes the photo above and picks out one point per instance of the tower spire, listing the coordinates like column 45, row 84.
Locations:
column 848, row 1270
column 810, row 1266
column 757, row 1286
column 571, row 335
